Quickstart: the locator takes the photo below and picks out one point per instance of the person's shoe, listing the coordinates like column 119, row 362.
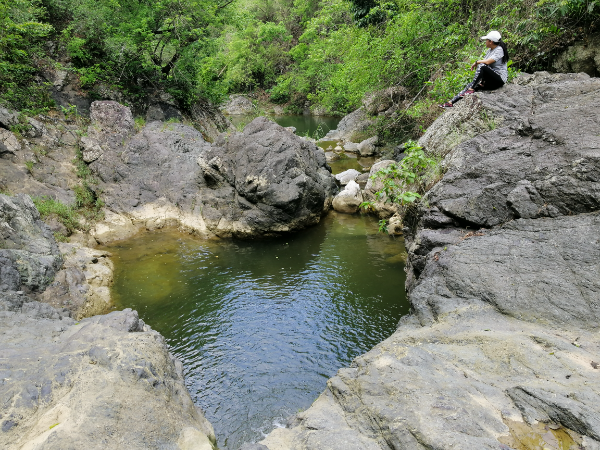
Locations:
column 446, row 105
column 469, row 92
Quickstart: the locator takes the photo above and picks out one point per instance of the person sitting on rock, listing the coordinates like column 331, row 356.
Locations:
column 492, row 70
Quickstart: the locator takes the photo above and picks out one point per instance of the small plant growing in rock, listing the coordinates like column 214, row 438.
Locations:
column 140, row 123
column 39, row 151
column 81, row 168
column 29, row 164
column 64, row 213
column 60, row 237
column 401, row 179
column 70, row 112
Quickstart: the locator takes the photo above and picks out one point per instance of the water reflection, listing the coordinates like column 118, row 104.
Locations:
column 261, row 325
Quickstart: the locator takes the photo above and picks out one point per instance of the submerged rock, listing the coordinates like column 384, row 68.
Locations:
column 503, row 279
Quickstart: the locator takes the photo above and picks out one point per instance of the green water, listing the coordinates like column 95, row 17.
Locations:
column 261, row 325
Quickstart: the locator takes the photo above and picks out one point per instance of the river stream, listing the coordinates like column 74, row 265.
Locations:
column 261, row 325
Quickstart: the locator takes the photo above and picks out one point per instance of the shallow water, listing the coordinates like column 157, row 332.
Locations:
column 261, row 325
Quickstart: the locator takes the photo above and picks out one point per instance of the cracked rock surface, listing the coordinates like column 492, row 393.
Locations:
column 106, row 382
column 504, row 282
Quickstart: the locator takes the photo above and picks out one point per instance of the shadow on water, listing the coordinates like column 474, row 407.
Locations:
column 261, row 325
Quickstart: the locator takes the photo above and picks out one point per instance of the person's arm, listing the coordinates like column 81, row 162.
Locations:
column 488, row 61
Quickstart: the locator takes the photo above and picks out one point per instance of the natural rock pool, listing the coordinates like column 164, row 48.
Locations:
column 261, row 325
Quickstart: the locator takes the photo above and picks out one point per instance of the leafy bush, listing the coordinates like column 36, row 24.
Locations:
column 21, row 35
column 398, row 178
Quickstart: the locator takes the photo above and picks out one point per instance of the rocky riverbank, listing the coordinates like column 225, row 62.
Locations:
column 502, row 343
column 104, row 381
column 71, row 380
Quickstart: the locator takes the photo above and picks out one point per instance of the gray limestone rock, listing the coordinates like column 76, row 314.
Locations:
column 90, row 149
column 209, row 120
column 504, row 282
column 264, row 181
column 346, row 176
column 348, row 200
column 355, row 122
column 368, row 146
column 535, row 165
column 106, row 382
column 8, row 118
column 29, row 255
column 238, row 105
column 8, row 142
column 259, row 182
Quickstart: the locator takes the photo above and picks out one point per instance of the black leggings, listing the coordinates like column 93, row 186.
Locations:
column 485, row 80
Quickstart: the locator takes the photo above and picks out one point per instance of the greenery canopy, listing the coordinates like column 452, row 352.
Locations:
column 326, row 53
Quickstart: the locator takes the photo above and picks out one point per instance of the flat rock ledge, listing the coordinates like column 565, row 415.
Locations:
column 504, row 283
column 102, row 382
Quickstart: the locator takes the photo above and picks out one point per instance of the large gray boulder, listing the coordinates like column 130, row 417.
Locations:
column 237, row 105
column 264, row 181
column 348, row 201
column 148, row 179
column 107, row 382
column 503, row 278
column 259, row 182
column 354, row 124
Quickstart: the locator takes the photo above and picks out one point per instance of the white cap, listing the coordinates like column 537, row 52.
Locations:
column 493, row 36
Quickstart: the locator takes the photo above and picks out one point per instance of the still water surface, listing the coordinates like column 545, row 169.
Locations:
column 261, row 325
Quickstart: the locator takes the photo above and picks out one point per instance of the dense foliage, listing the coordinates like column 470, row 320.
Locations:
column 324, row 53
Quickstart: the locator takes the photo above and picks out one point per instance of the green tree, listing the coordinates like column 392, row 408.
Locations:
column 21, row 33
